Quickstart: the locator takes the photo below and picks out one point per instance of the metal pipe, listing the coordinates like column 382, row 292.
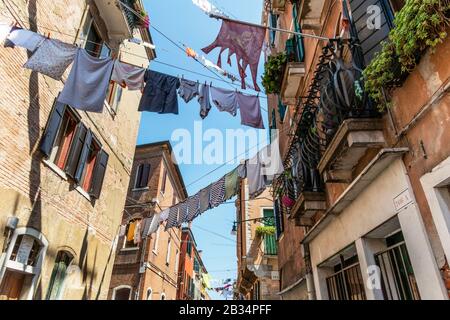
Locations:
column 271, row 28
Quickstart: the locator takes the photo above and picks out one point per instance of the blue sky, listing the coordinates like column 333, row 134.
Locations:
column 184, row 23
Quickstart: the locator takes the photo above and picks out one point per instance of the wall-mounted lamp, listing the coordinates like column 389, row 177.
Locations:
column 261, row 219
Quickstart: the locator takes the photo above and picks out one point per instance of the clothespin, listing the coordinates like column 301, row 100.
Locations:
column 210, row 84
column 48, row 35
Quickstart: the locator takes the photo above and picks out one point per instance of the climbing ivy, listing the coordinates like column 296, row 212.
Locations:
column 419, row 26
column 273, row 73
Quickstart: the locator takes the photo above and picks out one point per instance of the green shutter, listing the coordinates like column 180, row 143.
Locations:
column 281, row 109
column 300, row 51
column 270, row 242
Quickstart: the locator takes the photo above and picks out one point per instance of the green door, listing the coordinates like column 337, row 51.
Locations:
column 270, row 242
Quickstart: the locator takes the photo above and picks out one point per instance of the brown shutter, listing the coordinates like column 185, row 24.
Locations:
column 99, row 174
column 83, row 156
column 75, row 150
column 52, row 128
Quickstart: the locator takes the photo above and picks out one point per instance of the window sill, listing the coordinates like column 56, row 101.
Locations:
column 130, row 249
column 55, row 169
column 140, row 189
column 110, row 109
column 83, row 193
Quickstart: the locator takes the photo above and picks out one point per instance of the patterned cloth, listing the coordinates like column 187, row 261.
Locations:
column 231, row 184
column 245, row 42
column 52, row 58
column 24, row 38
column 217, row 194
column 182, row 213
column 172, row 220
column 193, row 207
column 204, row 199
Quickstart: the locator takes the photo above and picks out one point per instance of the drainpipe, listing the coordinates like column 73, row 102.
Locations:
column 309, row 276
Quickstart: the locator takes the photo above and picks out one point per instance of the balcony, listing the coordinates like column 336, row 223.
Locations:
column 354, row 138
column 294, row 72
column 312, row 14
column 119, row 20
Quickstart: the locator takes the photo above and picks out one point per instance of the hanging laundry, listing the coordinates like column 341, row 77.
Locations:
column 203, row 99
column 245, row 42
column 24, row 38
column 193, row 204
column 122, row 230
column 242, row 171
column 172, row 220
column 207, row 7
column 272, row 163
column 217, row 193
column 145, row 227
column 127, row 75
column 164, row 215
column 225, row 100
column 204, row 199
column 255, row 176
column 182, row 213
column 137, row 232
column 231, row 184
column 88, row 81
column 188, row 89
column 52, row 58
column 160, row 93
column 131, row 228
column 250, row 110
column 5, row 30
column 155, row 222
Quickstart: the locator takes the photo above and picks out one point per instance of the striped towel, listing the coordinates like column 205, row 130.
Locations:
column 193, row 207
column 182, row 213
column 172, row 221
column 204, row 199
column 217, row 193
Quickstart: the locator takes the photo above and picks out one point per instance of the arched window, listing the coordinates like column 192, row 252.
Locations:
column 21, row 264
column 58, row 277
column 163, row 296
column 149, row 293
column 122, row 293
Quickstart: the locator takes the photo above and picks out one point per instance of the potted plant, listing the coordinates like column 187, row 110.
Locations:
column 265, row 231
column 273, row 73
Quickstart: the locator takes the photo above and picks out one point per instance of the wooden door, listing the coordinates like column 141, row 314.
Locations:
column 11, row 286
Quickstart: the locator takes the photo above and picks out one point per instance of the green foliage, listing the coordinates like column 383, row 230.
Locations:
column 265, row 231
column 419, row 26
column 273, row 73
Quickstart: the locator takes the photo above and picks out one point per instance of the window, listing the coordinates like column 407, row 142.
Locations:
column 131, row 240
column 273, row 21
column 149, row 293
column 176, row 261
column 142, row 175
column 56, row 286
column 397, row 5
column 74, row 149
column 299, row 50
column 270, row 242
column 168, row 252
column 189, row 248
column 122, row 293
column 93, row 42
column 347, row 282
column 164, row 180
column 163, row 296
column 113, row 96
column 281, row 109
column 279, row 222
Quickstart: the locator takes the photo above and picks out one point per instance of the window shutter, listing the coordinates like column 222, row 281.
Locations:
column 75, row 150
column 51, row 131
column 144, row 175
column 83, row 156
column 99, row 174
column 370, row 39
column 300, row 50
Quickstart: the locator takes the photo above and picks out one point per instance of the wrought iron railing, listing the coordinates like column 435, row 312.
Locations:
column 346, row 284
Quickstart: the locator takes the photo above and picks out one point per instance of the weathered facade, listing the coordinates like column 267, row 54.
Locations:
column 57, row 227
column 147, row 269
column 258, row 276
column 192, row 284
column 369, row 188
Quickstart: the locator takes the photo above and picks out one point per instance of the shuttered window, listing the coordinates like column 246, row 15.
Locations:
column 373, row 28
column 70, row 145
column 279, row 223
column 297, row 40
column 270, row 242
column 273, row 21
column 142, row 175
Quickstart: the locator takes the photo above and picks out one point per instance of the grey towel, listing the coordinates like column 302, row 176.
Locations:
column 188, row 90
column 225, row 100
column 203, row 99
column 204, row 199
column 88, row 82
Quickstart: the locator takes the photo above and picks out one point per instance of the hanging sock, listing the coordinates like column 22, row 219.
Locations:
column 24, row 38
column 245, row 42
column 87, row 83
column 128, row 76
column 160, row 93
column 52, row 58
column 188, row 90
column 250, row 109
column 225, row 100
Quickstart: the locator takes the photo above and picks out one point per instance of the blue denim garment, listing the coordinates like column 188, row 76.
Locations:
column 160, row 93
